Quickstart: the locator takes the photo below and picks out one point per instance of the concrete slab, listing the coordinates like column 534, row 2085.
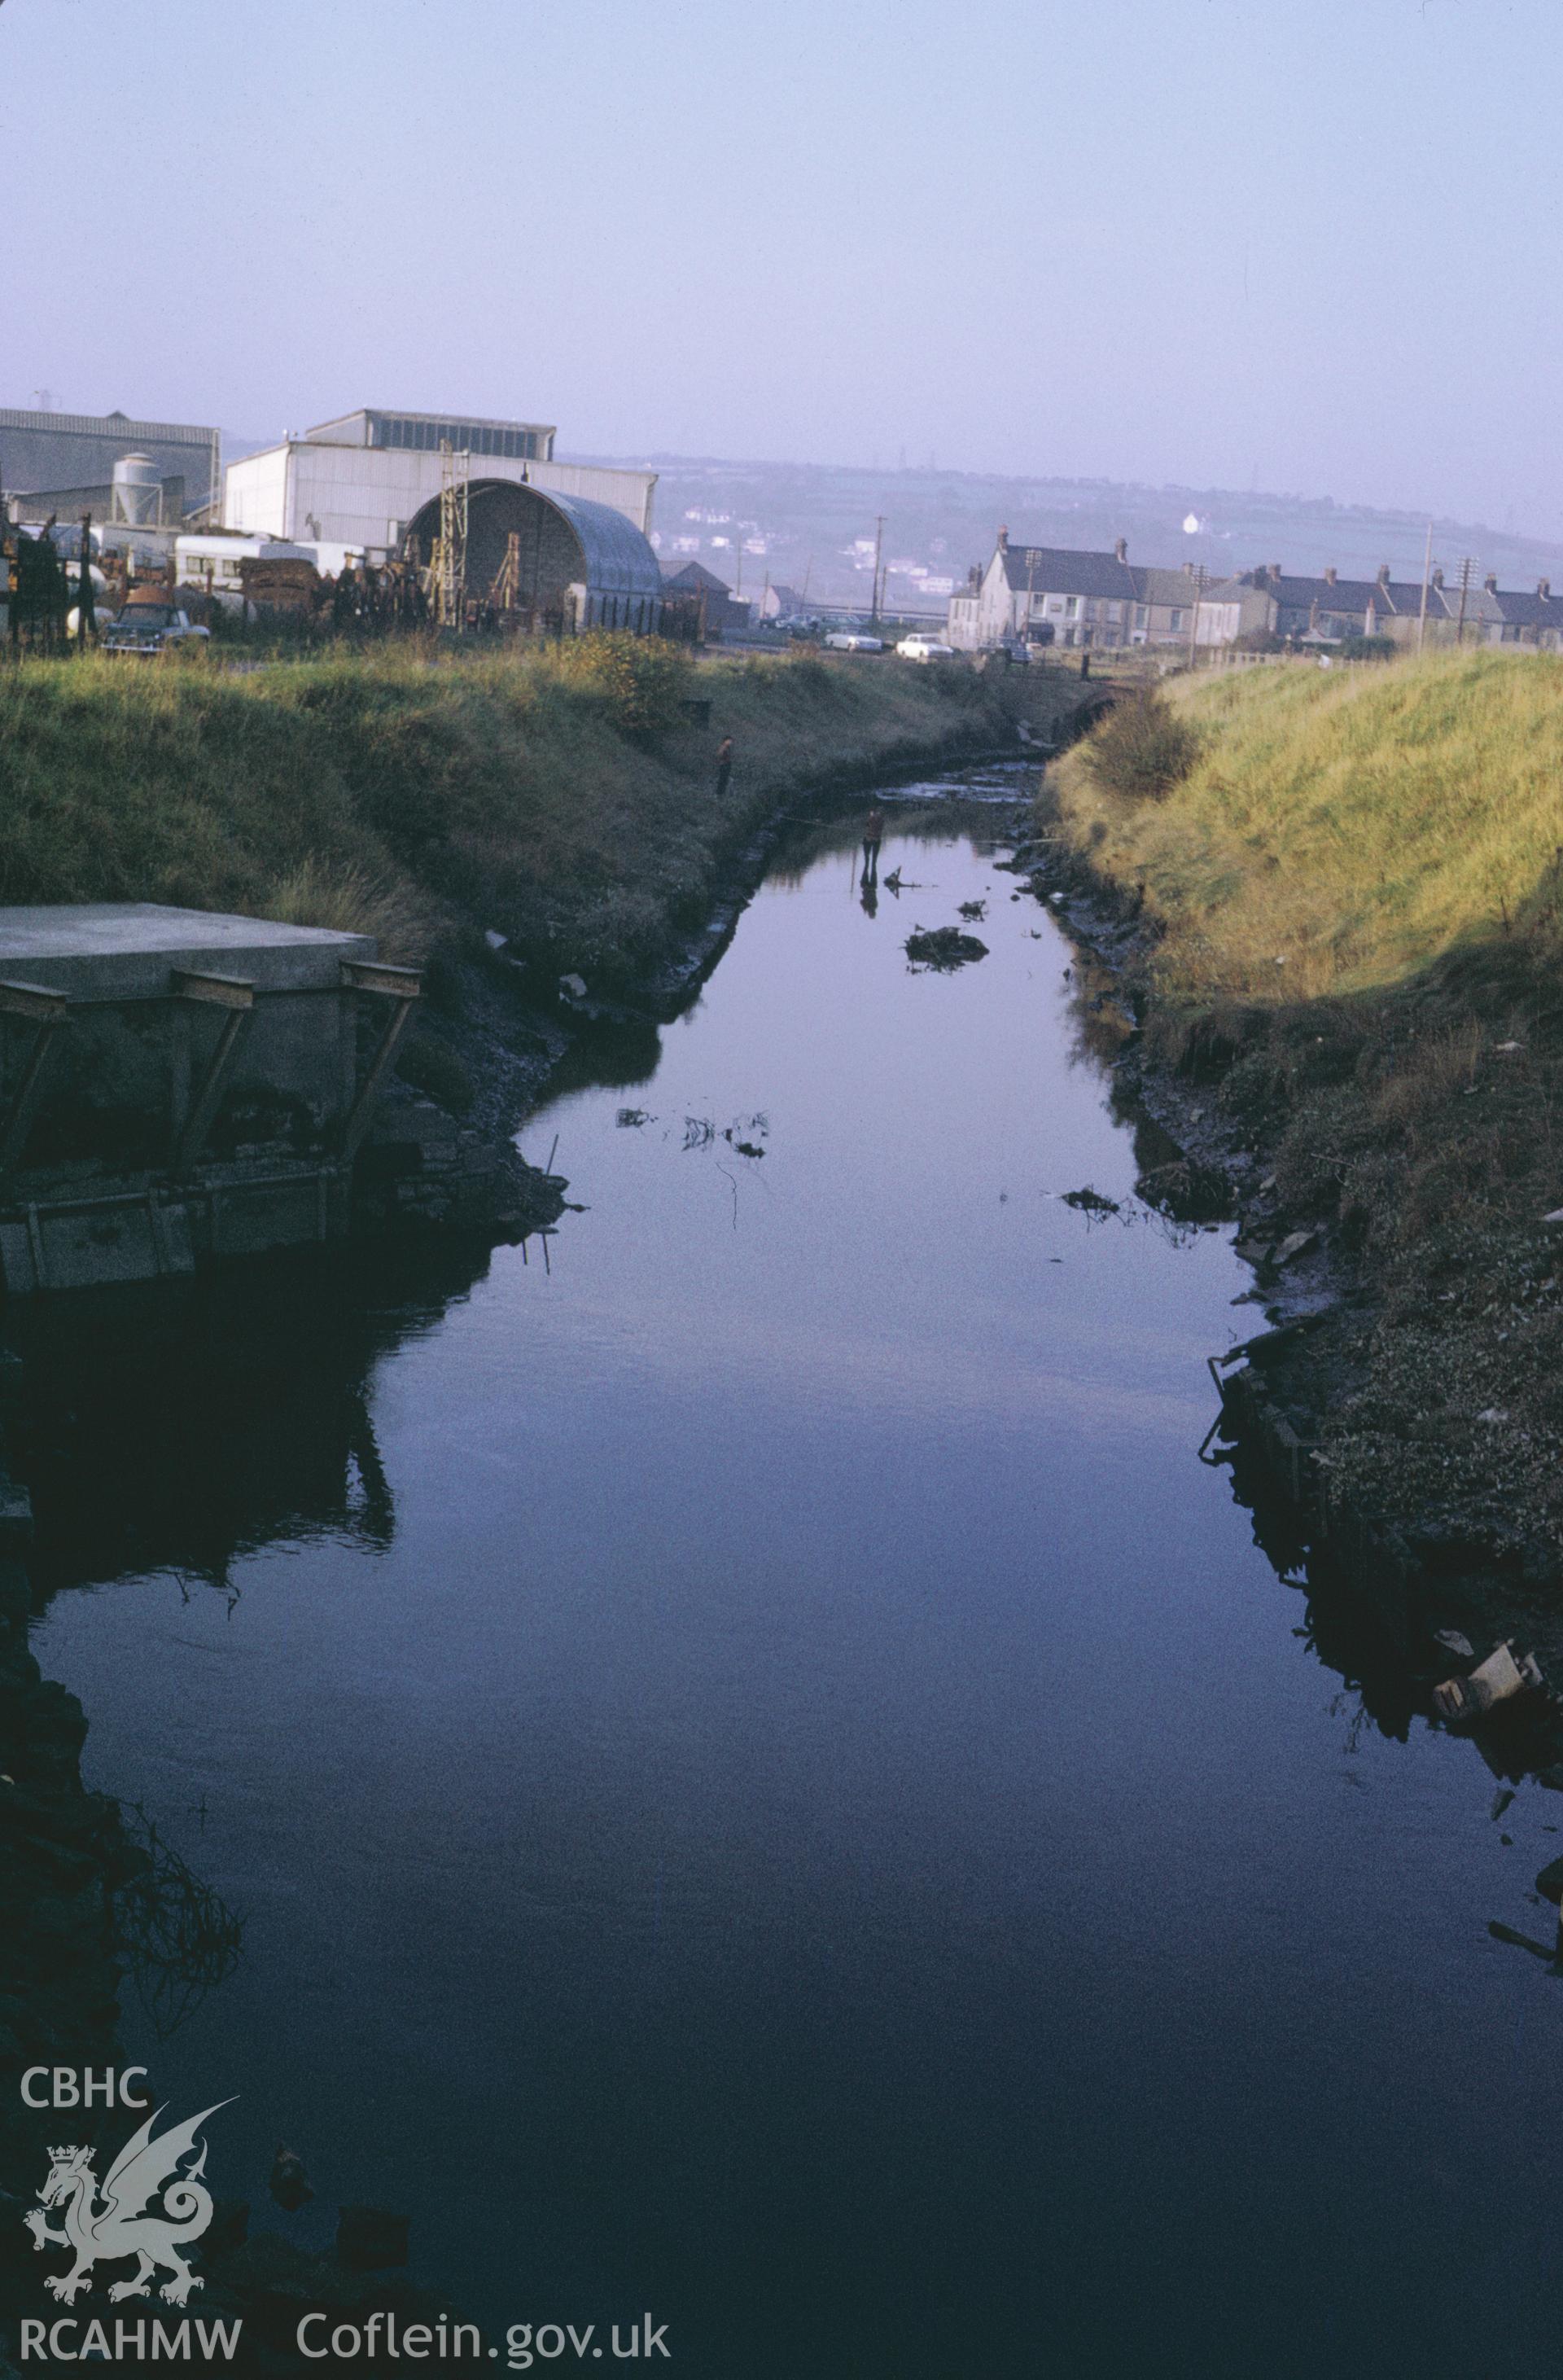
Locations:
column 126, row 949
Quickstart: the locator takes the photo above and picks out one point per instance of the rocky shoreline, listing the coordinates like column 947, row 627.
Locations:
column 1440, row 1576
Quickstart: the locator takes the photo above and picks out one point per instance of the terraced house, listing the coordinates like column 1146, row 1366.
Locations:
column 1325, row 610
column 1056, row 595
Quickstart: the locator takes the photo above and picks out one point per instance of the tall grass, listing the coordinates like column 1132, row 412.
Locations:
column 1338, row 831
column 562, row 797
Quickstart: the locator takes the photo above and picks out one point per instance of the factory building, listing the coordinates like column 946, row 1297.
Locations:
column 361, row 479
column 73, row 462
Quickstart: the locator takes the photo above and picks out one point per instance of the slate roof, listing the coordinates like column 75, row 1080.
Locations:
column 1517, row 611
column 1064, row 570
column 1174, row 587
column 695, row 578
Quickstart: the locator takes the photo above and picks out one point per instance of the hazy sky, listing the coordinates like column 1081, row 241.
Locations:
column 1310, row 247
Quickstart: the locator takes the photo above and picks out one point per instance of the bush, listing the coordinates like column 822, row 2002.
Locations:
column 1368, row 649
column 644, row 679
column 1142, row 749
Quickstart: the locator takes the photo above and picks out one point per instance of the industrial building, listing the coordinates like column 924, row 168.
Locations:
column 361, row 479
column 74, row 462
column 553, row 562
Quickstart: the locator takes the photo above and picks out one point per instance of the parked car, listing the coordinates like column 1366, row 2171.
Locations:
column 148, row 628
column 920, row 648
column 854, row 640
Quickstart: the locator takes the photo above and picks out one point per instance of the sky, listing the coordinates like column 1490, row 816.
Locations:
column 1226, row 243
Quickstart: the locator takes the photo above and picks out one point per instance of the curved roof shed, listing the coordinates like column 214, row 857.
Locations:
column 580, row 559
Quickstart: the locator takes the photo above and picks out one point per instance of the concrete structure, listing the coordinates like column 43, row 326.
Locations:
column 175, row 1082
column 77, row 452
column 575, row 564
column 360, row 481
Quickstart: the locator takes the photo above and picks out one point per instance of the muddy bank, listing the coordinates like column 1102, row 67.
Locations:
column 1455, row 1538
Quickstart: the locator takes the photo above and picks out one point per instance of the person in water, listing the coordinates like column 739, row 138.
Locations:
column 873, row 836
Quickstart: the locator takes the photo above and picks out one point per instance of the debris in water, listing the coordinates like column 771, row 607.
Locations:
column 1501, row 1932
column 1501, row 1801
column 745, row 1148
column 1294, row 1244
column 1091, row 1202
column 289, row 2183
column 1549, row 1884
column 572, row 987
column 943, row 948
column 630, row 1118
column 1496, row 1680
column 1453, row 1642
column 973, row 910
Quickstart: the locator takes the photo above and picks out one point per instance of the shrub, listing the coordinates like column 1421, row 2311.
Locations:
column 644, row 679
column 1142, row 749
column 1368, row 649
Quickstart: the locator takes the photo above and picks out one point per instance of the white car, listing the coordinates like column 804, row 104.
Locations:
column 925, row 648
column 148, row 628
column 852, row 640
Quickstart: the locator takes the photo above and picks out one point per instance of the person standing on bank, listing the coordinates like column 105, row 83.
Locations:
column 724, row 766
column 873, row 836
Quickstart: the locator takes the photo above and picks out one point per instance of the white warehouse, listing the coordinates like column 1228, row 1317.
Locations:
column 360, row 480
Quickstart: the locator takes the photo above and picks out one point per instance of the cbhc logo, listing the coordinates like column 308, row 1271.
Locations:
column 65, row 2088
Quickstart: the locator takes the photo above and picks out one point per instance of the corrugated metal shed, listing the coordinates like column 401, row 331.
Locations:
column 563, row 542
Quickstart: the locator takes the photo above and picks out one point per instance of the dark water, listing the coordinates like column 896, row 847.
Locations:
column 766, row 1781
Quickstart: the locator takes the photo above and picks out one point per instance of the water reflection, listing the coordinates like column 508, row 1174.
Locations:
column 181, row 1429
column 796, row 1758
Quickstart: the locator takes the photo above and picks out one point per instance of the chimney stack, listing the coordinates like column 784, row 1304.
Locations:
column 1273, row 570
column 1329, row 574
column 1384, row 574
column 1544, row 589
column 1003, row 539
column 1490, row 582
column 1121, row 550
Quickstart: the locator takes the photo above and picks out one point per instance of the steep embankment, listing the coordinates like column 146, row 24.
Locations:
column 1349, row 935
column 566, row 798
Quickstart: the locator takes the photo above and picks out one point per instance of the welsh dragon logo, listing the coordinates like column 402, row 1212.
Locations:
column 121, row 2217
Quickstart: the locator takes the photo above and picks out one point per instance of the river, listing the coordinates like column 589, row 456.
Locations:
column 765, row 1781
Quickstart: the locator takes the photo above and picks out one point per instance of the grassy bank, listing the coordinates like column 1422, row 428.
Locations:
column 562, row 796
column 1351, row 936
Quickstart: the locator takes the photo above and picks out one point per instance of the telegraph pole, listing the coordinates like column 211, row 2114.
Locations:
column 1193, row 616
column 1466, row 567
column 1427, row 573
column 879, row 548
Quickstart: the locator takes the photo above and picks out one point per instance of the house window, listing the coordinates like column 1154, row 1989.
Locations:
column 1114, row 612
column 1071, row 606
column 1176, row 619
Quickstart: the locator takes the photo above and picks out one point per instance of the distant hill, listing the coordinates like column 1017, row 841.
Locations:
column 806, row 517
